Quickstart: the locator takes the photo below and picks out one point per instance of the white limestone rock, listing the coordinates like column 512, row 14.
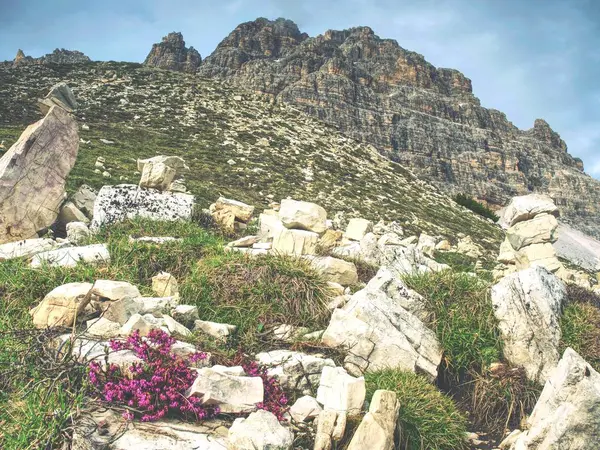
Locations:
column 27, row 248
column 526, row 207
column 71, row 256
column 295, row 242
column 358, row 228
column 303, row 216
column 341, row 392
column 61, row 305
column 335, row 270
column 259, row 431
column 376, row 430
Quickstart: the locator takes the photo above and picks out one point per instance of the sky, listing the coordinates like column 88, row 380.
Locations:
column 527, row 58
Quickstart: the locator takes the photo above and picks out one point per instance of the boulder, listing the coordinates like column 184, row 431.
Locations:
column 33, row 174
column 268, row 226
column 115, row 290
column 334, row 269
column 303, row 216
column 542, row 255
column 259, row 431
column 103, row 328
column 84, row 200
column 165, row 285
column 467, row 247
column 567, row 414
column 528, row 306
column 175, row 328
column 70, row 213
column 241, row 211
column 327, row 422
column 61, row 96
column 376, row 430
column 288, row 333
column 78, row 232
column 526, row 207
column 357, row 228
column 407, row 261
column 119, row 311
column 125, row 201
column 71, row 256
column 341, row 392
column 61, row 305
column 174, row 162
column 232, row 394
column 27, row 248
column 157, row 176
column 426, row 245
column 330, row 239
column 305, row 408
column 185, row 315
column 507, row 254
column 295, row 242
column 156, row 305
column 217, row 330
column 540, row 229
column 143, row 324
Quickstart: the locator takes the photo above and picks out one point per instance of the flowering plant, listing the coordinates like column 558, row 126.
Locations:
column 156, row 386
column 275, row 400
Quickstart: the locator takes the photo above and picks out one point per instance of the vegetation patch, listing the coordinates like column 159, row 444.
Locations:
column 475, row 206
column 458, row 262
column 428, row 418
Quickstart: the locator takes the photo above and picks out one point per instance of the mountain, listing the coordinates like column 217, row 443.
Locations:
column 172, row 54
column 236, row 144
column 58, row 56
column 423, row 117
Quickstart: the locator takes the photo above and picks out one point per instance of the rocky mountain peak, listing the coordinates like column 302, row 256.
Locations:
column 58, row 56
column 20, row 56
column 172, row 54
column 542, row 132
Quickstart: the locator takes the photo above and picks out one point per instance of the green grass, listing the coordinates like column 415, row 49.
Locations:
column 463, row 319
column 429, row 420
column 475, row 206
column 458, row 262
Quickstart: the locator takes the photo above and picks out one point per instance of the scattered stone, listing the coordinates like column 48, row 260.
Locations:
column 444, row 245
column 262, row 246
column 357, row 228
column 376, row 431
column 26, row 248
column 269, row 225
column 119, row 310
column 528, row 306
column 426, row 244
column 335, row 270
column 335, row 288
column 566, row 414
column 185, row 314
column 174, row 162
column 78, row 232
column 217, row 330
column 115, row 290
column 61, row 305
column 70, row 213
column 143, row 324
column 116, row 203
column 247, row 241
column 295, row 242
column 106, row 141
column 61, row 96
column 542, row 255
column 241, row 211
column 104, row 328
column 305, row 408
column 260, row 431
column 326, row 423
column 341, row 392
column 71, row 256
column 175, row 328
column 467, row 247
column 231, row 393
column 106, row 174
column 165, row 285
column 303, row 216
column 156, row 175
column 33, row 173
column 156, row 305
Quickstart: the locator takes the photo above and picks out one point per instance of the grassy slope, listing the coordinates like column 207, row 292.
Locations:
column 278, row 151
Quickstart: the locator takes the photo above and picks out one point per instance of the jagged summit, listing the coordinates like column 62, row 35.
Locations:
column 58, row 56
column 172, row 54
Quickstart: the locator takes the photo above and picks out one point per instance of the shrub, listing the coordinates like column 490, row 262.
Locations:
column 475, row 206
column 275, row 400
column 428, row 419
column 154, row 388
column 457, row 261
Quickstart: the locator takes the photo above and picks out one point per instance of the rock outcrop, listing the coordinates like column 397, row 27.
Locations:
column 33, row 175
column 424, row 117
column 172, row 54
column 58, row 56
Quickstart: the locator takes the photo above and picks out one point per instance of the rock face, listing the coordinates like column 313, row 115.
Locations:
column 33, row 174
column 172, row 54
column 528, row 305
column 58, row 56
column 424, row 117
column 567, row 414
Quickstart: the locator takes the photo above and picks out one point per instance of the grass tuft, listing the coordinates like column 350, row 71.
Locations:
column 428, row 419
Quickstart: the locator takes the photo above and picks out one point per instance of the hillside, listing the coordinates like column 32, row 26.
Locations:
column 424, row 117
column 236, row 144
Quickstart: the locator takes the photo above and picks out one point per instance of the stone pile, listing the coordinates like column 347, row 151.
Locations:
column 232, row 216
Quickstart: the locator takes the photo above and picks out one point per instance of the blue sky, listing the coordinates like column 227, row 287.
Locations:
column 528, row 58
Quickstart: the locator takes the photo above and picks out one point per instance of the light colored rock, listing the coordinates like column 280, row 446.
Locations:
column 77, row 232
column 185, row 314
column 61, row 305
column 335, row 288
column 70, row 256
column 175, row 328
column 143, row 324
column 26, row 248
column 330, row 239
column 377, row 429
column 260, row 431
column 217, row 330
column 295, row 242
column 246, row 241
column 305, row 408
column 236, row 371
column 102, row 327
column 526, row 207
column 115, row 290
column 174, row 162
column 262, row 246
column 528, row 306
column 542, row 255
column 106, row 174
column 61, row 96
column 177, row 186
column 509, row 440
column 268, row 226
column 335, row 270
column 33, row 173
column 156, row 305
column 567, row 414
column 338, row 302
column 295, row 370
column 157, row 176
column 352, row 250
column 119, row 310
column 341, row 392
column 466, row 246
column 325, row 426
column 84, row 200
column 444, row 245
column 241, row 211
column 408, row 261
column 426, row 244
column 70, row 213
column 507, row 254
column 540, row 229
column 303, row 216
column 125, row 201
column 357, row 228
column 288, row 333
column 232, row 394
column 165, row 285
column 225, row 219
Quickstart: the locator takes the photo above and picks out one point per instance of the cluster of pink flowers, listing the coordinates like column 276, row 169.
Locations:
column 275, row 400
column 155, row 387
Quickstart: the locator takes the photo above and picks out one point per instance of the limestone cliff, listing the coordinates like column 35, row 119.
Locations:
column 172, row 54
column 414, row 113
